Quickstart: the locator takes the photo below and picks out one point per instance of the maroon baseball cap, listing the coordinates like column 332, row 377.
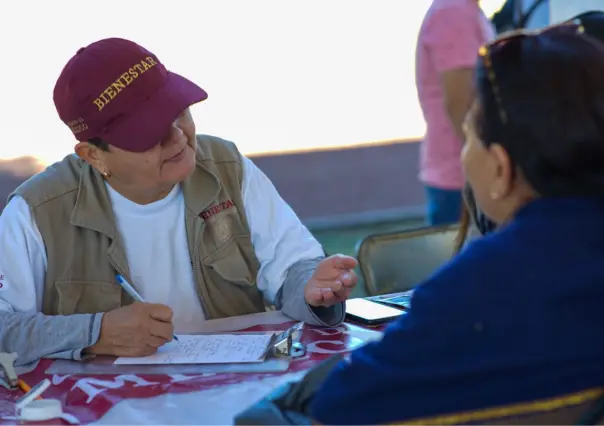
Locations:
column 116, row 90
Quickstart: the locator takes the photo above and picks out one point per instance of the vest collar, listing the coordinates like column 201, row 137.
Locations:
column 93, row 209
column 201, row 189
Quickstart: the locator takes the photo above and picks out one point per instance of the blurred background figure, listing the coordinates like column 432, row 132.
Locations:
column 450, row 35
column 517, row 14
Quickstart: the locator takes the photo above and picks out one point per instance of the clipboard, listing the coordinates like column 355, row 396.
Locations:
column 283, row 348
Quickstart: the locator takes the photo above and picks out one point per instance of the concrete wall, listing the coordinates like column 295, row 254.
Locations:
column 341, row 187
column 326, row 188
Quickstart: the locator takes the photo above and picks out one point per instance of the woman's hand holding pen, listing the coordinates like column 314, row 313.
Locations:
column 134, row 330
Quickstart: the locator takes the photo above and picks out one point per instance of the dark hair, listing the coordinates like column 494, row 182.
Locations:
column 593, row 22
column 99, row 143
column 471, row 215
column 541, row 97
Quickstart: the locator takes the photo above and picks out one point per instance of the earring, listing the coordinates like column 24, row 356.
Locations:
column 106, row 175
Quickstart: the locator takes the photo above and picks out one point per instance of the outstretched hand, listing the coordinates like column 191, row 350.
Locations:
column 332, row 281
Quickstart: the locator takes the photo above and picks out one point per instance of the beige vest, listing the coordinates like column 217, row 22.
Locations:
column 71, row 207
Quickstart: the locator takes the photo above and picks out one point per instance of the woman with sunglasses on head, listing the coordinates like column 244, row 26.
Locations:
column 511, row 330
column 473, row 221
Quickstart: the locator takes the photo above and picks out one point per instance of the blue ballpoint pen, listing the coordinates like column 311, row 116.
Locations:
column 131, row 291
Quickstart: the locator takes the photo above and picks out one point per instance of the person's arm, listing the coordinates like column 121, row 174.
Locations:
column 452, row 40
column 432, row 360
column 23, row 328
column 287, row 251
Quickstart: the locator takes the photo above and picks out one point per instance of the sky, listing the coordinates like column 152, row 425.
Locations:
column 281, row 75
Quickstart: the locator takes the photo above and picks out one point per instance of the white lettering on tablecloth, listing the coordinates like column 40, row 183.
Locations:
column 315, row 348
column 354, row 338
column 330, row 331
column 93, row 387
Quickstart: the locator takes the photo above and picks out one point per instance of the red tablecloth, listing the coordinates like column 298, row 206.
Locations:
column 89, row 398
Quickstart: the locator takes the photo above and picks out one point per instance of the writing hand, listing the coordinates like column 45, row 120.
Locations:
column 134, row 330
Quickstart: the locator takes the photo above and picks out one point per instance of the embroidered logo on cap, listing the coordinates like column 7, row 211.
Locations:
column 124, row 80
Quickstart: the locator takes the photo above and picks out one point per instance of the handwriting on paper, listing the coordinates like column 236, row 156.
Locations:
column 208, row 349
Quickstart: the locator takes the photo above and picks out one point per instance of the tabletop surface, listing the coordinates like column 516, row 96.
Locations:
column 208, row 398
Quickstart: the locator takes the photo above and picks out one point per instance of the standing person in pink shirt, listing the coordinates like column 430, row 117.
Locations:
column 448, row 42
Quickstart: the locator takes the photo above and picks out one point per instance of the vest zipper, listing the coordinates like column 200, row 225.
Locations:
column 119, row 271
column 197, row 272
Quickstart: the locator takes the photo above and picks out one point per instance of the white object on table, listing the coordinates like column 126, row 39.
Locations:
column 30, row 409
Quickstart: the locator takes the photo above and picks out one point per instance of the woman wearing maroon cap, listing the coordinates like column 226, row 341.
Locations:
column 150, row 229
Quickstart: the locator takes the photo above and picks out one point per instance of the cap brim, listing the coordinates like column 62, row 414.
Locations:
column 145, row 126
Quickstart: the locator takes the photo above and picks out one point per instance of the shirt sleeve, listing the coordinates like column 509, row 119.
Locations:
column 23, row 328
column 279, row 238
column 22, row 259
column 452, row 37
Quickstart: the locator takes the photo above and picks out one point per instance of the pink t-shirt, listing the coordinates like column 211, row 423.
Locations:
column 449, row 38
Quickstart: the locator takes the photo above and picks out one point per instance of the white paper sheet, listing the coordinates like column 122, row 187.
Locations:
column 208, row 349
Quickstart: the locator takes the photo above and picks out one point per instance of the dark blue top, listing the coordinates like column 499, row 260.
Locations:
column 517, row 316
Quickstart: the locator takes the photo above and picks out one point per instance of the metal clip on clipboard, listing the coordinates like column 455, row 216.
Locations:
column 8, row 375
column 287, row 343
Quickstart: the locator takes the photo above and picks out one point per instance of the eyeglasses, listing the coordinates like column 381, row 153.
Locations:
column 486, row 51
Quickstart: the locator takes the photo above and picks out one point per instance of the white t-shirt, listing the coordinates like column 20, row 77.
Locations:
column 155, row 241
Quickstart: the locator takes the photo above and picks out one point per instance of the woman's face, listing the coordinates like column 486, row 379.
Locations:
column 489, row 172
column 144, row 177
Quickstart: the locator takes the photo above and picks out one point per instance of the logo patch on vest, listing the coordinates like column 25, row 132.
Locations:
column 222, row 220
column 214, row 210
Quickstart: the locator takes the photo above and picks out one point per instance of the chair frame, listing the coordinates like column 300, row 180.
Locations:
column 362, row 249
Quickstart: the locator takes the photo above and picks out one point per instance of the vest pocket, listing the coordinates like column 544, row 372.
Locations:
column 87, row 297
column 230, row 263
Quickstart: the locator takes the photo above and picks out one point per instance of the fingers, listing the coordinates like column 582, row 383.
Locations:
column 134, row 330
column 156, row 342
column 163, row 330
column 346, row 279
column 134, row 351
column 336, row 267
column 343, row 294
column 341, row 261
column 349, row 279
column 320, row 296
column 330, row 299
column 160, row 325
column 327, row 297
column 160, row 312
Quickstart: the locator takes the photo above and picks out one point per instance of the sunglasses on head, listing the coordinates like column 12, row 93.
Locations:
column 485, row 52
